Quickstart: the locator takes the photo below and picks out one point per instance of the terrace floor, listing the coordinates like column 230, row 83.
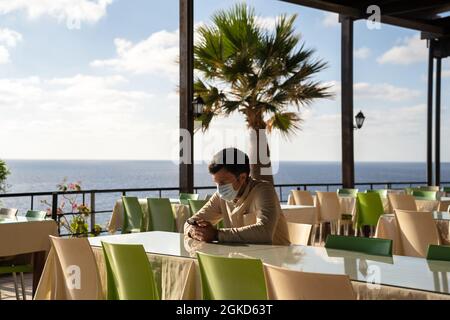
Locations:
column 7, row 287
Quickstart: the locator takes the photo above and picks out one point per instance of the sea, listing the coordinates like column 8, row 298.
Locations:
column 45, row 175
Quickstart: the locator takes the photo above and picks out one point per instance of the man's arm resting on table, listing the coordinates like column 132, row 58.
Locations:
column 210, row 212
column 267, row 211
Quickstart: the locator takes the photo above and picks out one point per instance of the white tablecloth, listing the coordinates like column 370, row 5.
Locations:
column 181, row 213
column 300, row 214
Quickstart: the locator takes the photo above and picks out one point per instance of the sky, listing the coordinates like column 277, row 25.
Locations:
column 97, row 79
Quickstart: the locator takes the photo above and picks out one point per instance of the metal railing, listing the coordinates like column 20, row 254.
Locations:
column 92, row 195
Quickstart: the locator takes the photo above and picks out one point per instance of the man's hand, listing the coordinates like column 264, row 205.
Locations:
column 204, row 231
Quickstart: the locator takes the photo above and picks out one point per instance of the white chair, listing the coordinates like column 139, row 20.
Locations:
column 417, row 231
column 74, row 257
column 8, row 212
column 402, row 202
column 284, row 284
column 329, row 211
column 302, row 197
column 299, row 233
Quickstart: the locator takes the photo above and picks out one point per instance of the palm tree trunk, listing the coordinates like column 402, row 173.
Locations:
column 260, row 164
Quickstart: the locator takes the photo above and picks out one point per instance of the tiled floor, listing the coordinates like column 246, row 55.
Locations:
column 7, row 287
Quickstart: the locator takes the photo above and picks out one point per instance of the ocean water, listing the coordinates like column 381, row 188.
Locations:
column 44, row 175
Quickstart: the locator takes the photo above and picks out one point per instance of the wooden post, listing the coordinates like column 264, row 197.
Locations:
column 430, row 117
column 348, row 160
column 437, row 135
column 186, row 181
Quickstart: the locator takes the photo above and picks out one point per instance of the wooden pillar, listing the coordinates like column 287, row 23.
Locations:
column 430, row 117
column 348, row 161
column 186, row 90
column 437, row 135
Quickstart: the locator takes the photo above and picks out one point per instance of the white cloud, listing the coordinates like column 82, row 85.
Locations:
column 330, row 19
column 362, row 53
column 384, row 91
column 4, row 55
column 71, row 11
column 155, row 55
column 84, row 117
column 267, row 23
column 10, row 37
column 411, row 50
column 379, row 91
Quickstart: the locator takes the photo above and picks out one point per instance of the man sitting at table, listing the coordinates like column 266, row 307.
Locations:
column 249, row 208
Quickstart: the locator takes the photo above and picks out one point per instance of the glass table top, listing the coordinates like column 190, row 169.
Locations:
column 175, row 244
column 397, row 271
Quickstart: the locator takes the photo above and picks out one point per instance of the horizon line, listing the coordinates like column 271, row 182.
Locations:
column 203, row 160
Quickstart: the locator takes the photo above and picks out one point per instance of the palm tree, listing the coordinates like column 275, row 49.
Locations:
column 241, row 66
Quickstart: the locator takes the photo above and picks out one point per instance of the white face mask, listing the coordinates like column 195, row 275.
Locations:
column 227, row 192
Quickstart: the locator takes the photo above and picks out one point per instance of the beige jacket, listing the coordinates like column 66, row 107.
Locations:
column 255, row 218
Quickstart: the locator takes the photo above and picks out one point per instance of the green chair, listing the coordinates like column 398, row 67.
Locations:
column 36, row 214
column 185, row 197
column 196, row 205
column 21, row 269
column 441, row 253
column 347, row 192
column 129, row 273
column 370, row 208
column 426, row 195
column 231, row 278
column 372, row 246
column 381, row 192
column 134, row 217
column 410, row 190
column 446, row 190
column 161, row 215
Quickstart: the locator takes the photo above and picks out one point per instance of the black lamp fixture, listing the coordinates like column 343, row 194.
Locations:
column 198, row 105
column 359, row 120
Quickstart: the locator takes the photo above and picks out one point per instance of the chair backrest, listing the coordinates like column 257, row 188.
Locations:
column 129, row 273
column 8, row 212
column 196, row 205
column 370, row 208
column 133, row 219
column 188, row 196
column 78, row 267
column 417, row 231
column 283, row 284
column 299, row 233
column 36, row 214
column 161, row 213
column 382, row 192
column 441, row 253
column 372, row 246
column 231, row 278
column 329, row 206
column 402, row 202
column 429, row 188
column 347, row 192
column 302, row 197
column 428, row 195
